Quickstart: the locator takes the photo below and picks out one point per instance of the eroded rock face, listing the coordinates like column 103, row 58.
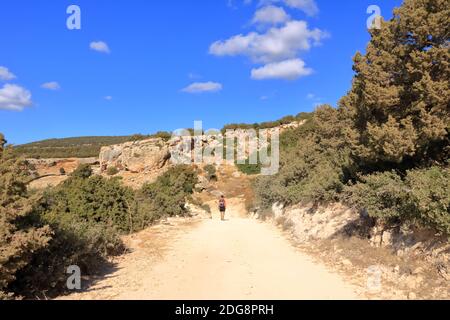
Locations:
column 153, row 155
column 139, row 156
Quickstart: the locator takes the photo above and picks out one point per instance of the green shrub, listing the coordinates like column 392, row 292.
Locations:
column 94, row 199
column 86, row 216
column 20, row 235
column 76, row 223
column 74, row 242
column 383, row 195
column 166, row 136
column 315, row 163
column 249, row 169
column 83, row 171
column 422, row 198
column 430, row 193
column 112, row 171
column 167, row 196
column 211, row 172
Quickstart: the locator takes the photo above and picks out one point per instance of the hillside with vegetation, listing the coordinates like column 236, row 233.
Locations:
column 79, row 222
column 77, row 147
column 89, row 147
column 383, row 152
column 385, row 149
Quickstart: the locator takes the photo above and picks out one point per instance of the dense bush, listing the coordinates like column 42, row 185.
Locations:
column 91, row 199
column 430, row 193
column 288, row 140
column 314, row 162
column 167, row 196
column 75, row 241
column 211, row 172
column 83, row 171
column 112, row 171
column 86, row 215
column 76, row 223
column 249, row 169
column 20, row 235
column 383, row 195
column 422, row 198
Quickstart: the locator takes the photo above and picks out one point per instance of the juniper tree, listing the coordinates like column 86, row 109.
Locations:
column 400, row 99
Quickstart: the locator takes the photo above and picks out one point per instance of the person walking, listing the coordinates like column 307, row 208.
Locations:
column 222, row 207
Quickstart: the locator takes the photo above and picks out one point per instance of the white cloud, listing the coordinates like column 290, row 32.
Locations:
column 270, row 15
column 275, row 45
column 287, row 70
column 308, row 6
column 53, row 85
column 193, row 75
column 100, row 46
column 200, row 87
column 109, row 98
column 14, row 97
column 5, row 74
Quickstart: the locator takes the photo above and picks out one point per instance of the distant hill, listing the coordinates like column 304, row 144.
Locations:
column 87, row 147
column 78, row 147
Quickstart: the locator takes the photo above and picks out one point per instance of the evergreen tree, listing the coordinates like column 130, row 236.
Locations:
column 400, row 99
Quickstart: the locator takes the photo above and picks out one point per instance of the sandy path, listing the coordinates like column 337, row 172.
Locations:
column 237, row 259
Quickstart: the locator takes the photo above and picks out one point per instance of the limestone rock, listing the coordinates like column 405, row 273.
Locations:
column 140, row 156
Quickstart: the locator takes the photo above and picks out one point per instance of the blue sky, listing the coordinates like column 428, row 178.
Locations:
column 141, row 66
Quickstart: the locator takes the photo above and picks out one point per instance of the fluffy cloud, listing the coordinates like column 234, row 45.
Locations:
column 287, row 70
column 270, row 15
column 308, row 6
column 200, row 87
column 13, row 97
column 100, row 46
column 51, row 85
column 5, row 74
column 275, row 45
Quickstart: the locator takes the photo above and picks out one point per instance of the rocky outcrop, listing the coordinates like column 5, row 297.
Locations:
column 137, row 157
column 153, row 155
column 311, row 223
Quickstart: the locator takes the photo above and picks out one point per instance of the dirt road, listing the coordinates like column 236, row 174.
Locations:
column 237, row 259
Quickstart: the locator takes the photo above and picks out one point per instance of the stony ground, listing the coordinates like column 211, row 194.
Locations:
column 204, row 258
